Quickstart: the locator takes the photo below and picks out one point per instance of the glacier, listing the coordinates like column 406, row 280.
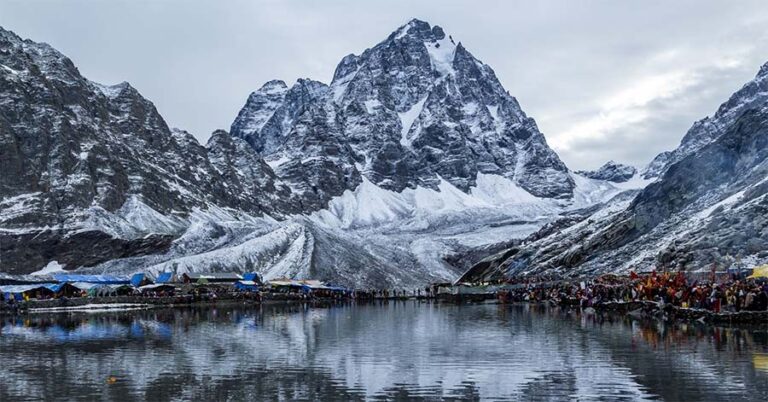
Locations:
column 407, row 238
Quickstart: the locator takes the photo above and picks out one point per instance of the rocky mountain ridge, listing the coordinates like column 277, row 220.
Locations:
column 85, row 162
column 706, row 207
column 413, row 110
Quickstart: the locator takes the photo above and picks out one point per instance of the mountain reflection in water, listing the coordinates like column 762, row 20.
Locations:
column 396, row 350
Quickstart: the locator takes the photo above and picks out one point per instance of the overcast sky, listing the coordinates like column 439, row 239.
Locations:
column 603, row 79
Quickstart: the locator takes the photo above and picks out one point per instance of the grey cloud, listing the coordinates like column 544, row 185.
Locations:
column 669, row 119
column 198, row 60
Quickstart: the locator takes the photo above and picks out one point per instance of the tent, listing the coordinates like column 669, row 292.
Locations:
column 252, row 276
column 86, row 287
column 287, row 285
column 164, row 277
column 104, row 279
column 192, row 277
column 759, row 272
column 18, row 292
column 336, row 288
column 158, row 287
column 122, row 290
column 63, row 289
column 246, row 286
column 95, row 289
column 140, row 279
column 314, row 284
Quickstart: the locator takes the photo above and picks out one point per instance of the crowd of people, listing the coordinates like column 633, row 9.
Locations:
column 728, row 294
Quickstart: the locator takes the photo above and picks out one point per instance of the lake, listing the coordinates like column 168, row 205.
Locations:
column 385, row 350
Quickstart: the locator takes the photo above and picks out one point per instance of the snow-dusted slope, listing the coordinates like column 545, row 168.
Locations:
column 708, row 206
column 93, row 172
column 754, row 94
column 370, row 236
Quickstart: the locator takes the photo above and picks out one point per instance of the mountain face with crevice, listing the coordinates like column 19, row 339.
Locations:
column 411, row 161
column 413, row 110
column 706, row 206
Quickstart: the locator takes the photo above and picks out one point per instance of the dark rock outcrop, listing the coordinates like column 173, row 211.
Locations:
column 611, row 171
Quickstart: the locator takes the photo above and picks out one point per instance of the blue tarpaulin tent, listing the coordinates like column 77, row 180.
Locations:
column 103, row 279
column 336, row 288
column 246, row 286
column 252, row 276
column 164, row 277
column 55, row 287
column 17, row 291
column 139, row 280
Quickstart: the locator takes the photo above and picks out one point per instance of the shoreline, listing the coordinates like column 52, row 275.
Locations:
column 122, row 303
column 632, row 309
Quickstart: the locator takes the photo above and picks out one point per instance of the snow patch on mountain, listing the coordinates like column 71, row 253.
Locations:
column 145, row 219
column 10, row 70
column 494, row 111
column 406, row 121
column 369, row 205
column 498, row 190
column 403, row 30
column 592, row 191
column 52, row 268
column 441, row 53
column 16, row 206
column 339, row 87
column 110, row 91
column 371, row 105
column 727, row 202
column 256, row 253
column 274, row 163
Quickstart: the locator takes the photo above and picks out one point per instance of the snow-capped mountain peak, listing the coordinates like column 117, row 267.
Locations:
column 413, row 108
column 441, row 48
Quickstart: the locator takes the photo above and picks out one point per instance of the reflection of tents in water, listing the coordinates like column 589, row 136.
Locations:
column 88, row 331
column 760, row 360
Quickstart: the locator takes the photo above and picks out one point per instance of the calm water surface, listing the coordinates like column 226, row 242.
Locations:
column 403, row 350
